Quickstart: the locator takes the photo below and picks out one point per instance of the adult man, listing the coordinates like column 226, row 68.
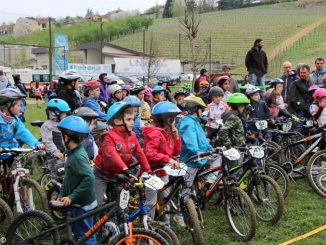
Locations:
column 300, row 99
column 204, row 76
column 289, row 76
column 4, row 81
column 257, row 63
column 233, row 83
column 318, row 77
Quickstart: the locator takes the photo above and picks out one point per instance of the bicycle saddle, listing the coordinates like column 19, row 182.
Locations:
column 37, row 123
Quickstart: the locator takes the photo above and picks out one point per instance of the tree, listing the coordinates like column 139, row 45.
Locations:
column 89, row 12
column 167, row 12
column 178, row 8
column 190, row 26
column 153, row 61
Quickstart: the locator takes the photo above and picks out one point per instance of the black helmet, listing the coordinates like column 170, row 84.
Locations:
column 86, row 113
column 180, row 92
column 216, row 91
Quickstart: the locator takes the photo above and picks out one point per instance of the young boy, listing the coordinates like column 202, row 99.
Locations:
column 115, row 93
column 51, row 136
column 78, row 184
column 117, row 148
column 158, row 93
column 214, row 111
column 88, row 143
column 92, row 93
column 179, row 97
column 145, row 109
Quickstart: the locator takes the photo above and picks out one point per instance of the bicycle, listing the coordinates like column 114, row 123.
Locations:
column 17, row 188
column 36, row 227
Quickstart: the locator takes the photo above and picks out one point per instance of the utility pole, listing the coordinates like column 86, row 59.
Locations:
column 101, row 37
column 179, row 46
column 144, row 36
column 210, row 55
column 50, row 50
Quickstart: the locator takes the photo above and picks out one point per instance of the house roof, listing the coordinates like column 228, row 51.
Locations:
column 84, row 46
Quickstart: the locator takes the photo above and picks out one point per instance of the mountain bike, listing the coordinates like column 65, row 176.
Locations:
column 36, row 227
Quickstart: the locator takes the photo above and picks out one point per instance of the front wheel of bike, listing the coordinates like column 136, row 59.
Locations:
column 6, row 217
column 31, row 224
column 139, row 236
column 316, row 172
column 278, row 174
column 166, row 232
column 240, row 213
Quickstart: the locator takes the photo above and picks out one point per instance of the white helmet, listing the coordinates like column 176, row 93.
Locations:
column 251, row 89
column 70, row 75
column 112, row 89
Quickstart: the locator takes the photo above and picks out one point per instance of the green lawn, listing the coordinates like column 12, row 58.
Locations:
column 304, row 211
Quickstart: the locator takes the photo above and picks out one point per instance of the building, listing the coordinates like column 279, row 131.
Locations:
column 6, row 29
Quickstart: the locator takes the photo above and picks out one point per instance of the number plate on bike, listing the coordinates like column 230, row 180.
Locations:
column 287, row 126
column 257, row 152
column 124, row 199
column 309, row 123
column 232, row 154
column 261, row 125
column 176, row 171
column 154, row 183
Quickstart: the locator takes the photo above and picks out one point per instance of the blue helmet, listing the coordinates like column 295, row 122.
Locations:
column 58, row 105
column 74, row 126
column 157, row 89
column 165, row 108
column 115, row 109
column 132, row 100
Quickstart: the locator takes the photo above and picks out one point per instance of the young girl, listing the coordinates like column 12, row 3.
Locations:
column 318, row 110
column 224, row 83
column 158, row 93
column 145, row 109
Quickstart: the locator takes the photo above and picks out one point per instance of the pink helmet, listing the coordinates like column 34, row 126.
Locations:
column 148, row 91
column 319, row 93
column 312, row 88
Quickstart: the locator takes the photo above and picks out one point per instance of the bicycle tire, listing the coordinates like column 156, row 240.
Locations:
column 44, row 181
column 42, row 195
column 167, row 233
column 264, row 182
column 53, row 193
column 6, row 217
column 278, row 174
column 13, row 235
column 139, row 233
column 274, row 155
column 316, row 178
column 192, row 222
column 235, row 193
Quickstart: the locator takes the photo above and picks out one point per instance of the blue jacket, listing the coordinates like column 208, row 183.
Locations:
column 15, row 129
column 260, row 110
column 88, row 144
column 92, row 103
column 193, row 140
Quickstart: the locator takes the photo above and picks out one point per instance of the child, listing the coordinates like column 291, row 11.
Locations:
column 92, row 93
column 179, row 97
column 203, row 91
column 224, row 83
column 125, row 91
column 148, row 96
column 51, row 136
column 193, row 141
column 164, row 84
column 88, row 143
column 115, row 93
column 318, row 110
column 78, row 184
column 161, row 144
column 158, row 95
column 214, row 111
column 11, row 126
column 117, row 148
column 145, row 109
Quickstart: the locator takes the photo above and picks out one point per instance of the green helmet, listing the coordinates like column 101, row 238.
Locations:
column 186, row 86
column 137, row 88
column 238, row 98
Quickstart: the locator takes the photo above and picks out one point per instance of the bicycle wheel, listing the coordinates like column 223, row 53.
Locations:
column 268, row 200
column 45, row 181
column 6, row 217
column 31, row 224
column 240, row 213
column 278, row 174
column 52, row 194
column 139, row 236
column 32, row 196
column 316, row 172
column 166, row 232
column 273, row 152
column 192, row 222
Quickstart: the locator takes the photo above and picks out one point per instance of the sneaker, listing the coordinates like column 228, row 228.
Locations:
column 178, row 218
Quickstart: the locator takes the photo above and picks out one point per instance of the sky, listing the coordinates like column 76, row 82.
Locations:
column 11, row 10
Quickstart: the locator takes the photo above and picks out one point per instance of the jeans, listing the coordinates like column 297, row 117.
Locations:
column 257, row 81
column 81, row 227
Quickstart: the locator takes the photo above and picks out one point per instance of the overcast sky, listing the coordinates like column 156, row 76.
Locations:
column 13, row 9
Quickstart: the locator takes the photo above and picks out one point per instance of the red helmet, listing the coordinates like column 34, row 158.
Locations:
column 92, row 84
column 319, row 93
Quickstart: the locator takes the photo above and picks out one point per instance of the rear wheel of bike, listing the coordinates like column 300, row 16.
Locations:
column 6, row 217
column 53, row 194
column 268, row 200
column 273, row 152
column 31, row 224
column 139, row 236
column 316, row 172
column 240, row 213
column 45, row 181
column 166, row 232
column 192, row 221
column 278, row 174
column 32, row 195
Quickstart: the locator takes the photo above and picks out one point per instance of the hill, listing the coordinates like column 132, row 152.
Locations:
column 232, row 32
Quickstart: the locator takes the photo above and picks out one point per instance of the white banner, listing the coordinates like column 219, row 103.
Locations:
column 90, row 70
column 139, row 67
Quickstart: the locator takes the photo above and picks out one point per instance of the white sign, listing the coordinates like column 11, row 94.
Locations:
column 139, row 67
column 261, row 125
column 232, row 154
column 257, row 152
column 90, row 70
column 124, row 199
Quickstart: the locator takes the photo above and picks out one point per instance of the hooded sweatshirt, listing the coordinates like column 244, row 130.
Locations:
column 318, row 78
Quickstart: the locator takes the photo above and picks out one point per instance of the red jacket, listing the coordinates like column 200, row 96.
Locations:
column 116, row 151
column 160, row 146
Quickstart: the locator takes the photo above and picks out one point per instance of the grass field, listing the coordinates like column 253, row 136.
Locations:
column 304, row 211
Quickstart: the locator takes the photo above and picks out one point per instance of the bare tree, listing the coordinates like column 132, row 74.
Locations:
column 153, row 60
column 190, row 25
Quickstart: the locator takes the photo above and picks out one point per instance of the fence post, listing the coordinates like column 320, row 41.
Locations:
column 179, row 46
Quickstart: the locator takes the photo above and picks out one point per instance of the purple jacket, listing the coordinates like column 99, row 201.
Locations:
column 104, row 92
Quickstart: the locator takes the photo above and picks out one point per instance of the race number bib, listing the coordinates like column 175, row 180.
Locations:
column 261, row 125
column 154, row 183
column 257, row 152
column 287, row 126
column 124, row 199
